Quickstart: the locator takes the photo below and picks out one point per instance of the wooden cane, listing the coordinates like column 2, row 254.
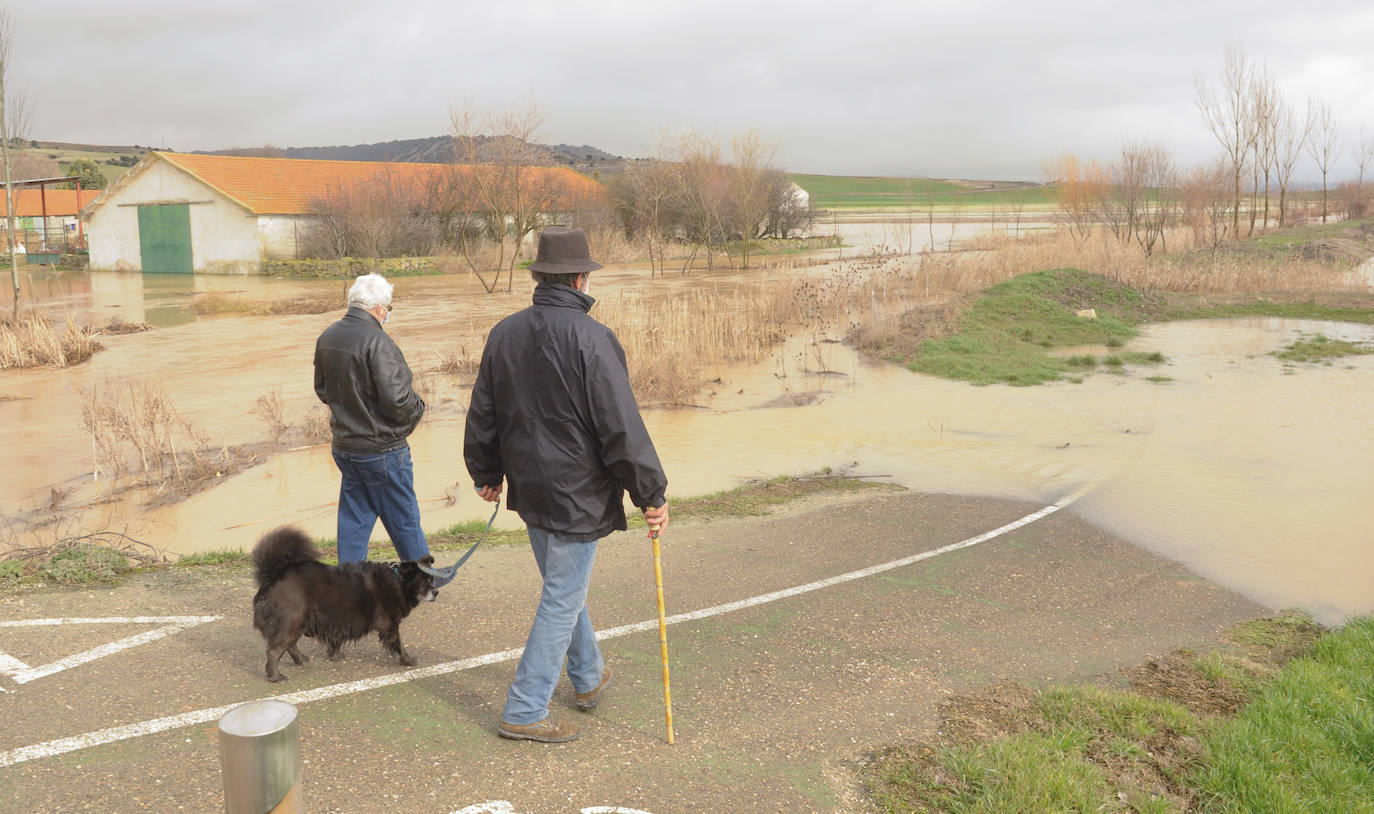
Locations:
column 662, row 633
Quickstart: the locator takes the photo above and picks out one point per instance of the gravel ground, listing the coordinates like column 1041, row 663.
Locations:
column 776, row 706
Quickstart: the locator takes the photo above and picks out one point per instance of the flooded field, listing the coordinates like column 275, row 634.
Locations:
column 1257, row 476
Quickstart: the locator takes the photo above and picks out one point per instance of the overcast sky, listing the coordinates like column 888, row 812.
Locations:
column 955, row 89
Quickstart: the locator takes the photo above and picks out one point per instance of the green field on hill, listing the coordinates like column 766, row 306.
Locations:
column 64, row 156
column 847, row 191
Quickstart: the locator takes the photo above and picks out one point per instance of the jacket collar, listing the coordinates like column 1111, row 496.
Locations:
column 360, row 313
column 561, row 296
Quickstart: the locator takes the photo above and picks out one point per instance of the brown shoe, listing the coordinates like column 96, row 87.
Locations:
column 545, row 731
column 587, row 701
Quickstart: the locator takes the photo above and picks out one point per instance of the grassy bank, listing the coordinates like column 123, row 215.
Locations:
column 1282, row 719
column 107, row 559
column 1007, row 334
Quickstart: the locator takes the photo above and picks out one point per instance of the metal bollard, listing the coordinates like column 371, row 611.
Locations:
column 259, row 749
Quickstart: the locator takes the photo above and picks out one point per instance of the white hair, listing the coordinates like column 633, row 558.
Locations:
column 370, row 291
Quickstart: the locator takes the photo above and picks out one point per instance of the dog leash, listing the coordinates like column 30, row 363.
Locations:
column 443, row 576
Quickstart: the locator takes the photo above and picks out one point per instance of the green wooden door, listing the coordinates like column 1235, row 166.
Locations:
column 164, row 238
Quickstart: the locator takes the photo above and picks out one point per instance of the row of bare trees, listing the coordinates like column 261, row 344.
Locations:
column 689, row 193
column 1262, row 137
column 499, row 188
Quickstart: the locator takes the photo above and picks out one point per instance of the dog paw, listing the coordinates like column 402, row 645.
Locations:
column 334, row 656
column 409, row 661
column 276, row 678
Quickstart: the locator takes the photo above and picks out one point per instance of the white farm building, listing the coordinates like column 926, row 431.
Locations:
column 184, row 213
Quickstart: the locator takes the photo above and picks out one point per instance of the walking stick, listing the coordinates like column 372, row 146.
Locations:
column 662, row 633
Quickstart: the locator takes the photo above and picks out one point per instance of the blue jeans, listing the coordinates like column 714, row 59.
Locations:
column 373, row 486
column 561, row 629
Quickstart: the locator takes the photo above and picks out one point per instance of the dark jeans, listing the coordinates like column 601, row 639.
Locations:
column 378, row 486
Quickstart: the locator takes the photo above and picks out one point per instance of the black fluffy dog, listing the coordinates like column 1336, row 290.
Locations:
column 300, row 596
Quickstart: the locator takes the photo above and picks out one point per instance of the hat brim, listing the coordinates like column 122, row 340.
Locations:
column 578, row 267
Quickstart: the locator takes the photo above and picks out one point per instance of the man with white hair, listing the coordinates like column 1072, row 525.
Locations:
column 363, row 377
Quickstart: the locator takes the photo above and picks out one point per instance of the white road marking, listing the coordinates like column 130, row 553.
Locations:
column 119, row 733
column 22, row 673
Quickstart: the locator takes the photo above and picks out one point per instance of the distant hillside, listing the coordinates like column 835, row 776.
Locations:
column 434, row 150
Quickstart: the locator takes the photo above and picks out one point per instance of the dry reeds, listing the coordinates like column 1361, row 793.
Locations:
column 307, row 427
column 135, row 429
column 671, row 341
column 35, row 342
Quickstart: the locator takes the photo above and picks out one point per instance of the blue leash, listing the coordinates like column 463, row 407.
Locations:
column 443, row 576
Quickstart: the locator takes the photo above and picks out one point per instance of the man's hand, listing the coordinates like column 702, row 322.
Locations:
column 657, row 518
column 490, row 494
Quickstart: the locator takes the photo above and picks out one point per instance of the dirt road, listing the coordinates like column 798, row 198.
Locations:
column 778, row 694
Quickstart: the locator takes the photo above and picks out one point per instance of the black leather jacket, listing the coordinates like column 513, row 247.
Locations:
column 362, row 376
column 552, row 413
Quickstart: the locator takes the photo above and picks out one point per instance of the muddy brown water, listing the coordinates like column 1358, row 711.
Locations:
column 1257, row 475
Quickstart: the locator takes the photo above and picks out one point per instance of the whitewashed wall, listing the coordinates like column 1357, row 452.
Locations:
column 224, row 236
column 281, row 235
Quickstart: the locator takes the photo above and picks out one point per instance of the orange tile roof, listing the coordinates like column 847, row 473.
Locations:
column 286, row 186
column 58, row 202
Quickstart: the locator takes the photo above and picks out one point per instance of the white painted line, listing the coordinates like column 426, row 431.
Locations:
column 119, row 733
column 23, row 673
column 30, row 673
column 114, row 620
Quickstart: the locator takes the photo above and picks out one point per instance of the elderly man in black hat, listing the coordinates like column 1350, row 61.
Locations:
column 553, row 416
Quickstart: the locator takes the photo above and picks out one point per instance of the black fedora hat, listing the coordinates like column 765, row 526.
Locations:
column 563, row 251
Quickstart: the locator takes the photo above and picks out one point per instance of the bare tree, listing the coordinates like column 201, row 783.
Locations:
column 1229, row 115
column 1078, row 188
column 505, row 175
column 1362, row 150
column 1290, row 136
column 1323, row 145
column 646, row 194
column 390, row 214
column 1207, row 202
column 1154, row 179
column 703, row 188
column 13, row 121
column 747, row 205
column 1268, row 129
column 788, row 212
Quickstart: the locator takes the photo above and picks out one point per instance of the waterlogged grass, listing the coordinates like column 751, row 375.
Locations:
column 1272, row 308
column 1320, row 349
column 1299, row 739
column 1004, row 336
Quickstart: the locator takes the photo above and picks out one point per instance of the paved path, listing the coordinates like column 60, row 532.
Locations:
column 779, row 693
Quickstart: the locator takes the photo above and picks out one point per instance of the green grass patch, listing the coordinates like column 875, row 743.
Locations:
column 1280, row 719
column 1321, row 349
column 1003, row 336
column 85, row 565
column 1272, row 308
column 223, row 556
column 873, row 192
column 1305, row 743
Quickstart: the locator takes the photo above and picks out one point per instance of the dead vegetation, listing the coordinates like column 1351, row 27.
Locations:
column 220, row 302
column 136, row 431
column 34, row 341
column 306, row 427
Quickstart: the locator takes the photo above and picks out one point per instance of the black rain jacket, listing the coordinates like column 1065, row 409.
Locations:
column 553, row 414
column 364, row 378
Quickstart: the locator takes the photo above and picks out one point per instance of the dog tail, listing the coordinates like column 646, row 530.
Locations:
column 280, row 549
